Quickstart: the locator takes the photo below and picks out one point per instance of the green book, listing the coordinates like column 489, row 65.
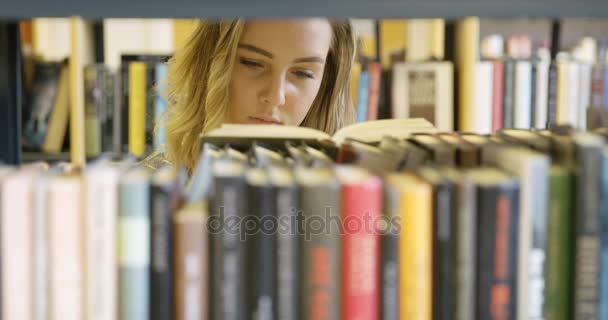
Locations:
column 558, row 304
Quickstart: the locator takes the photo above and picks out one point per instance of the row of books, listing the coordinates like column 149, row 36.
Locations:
column 436, row 225
column 122, row 107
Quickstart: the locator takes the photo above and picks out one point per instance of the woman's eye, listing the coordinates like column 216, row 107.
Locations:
column 250, row 63
column 304, row 74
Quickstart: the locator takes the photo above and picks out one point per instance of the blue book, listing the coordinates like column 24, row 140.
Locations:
column 363, row 96
column 159, row 104
column 605, row 100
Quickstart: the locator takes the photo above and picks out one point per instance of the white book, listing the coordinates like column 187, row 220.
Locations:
column 523, row 95
column 584, row 94
column 66, row 248
column 561, row 100
column 424, row 90
column 542, row 94
column 482, row 108
column 574, row 79
column 101, row 213
column 532, row 169
column 51, row 38
column 17, row 226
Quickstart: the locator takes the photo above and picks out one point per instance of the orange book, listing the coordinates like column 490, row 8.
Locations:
column 415, row 245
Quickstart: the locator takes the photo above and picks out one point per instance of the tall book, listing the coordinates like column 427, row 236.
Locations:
column 287, row 248
column 389, row 254
column 541, row 88
column 66, row 247
column 163, row 187
column 101, row 212
column 532, row 169
column 558, row 304
column 260, row 246
column 320, row 273
column 134, row 244
column 11, row 93
column 361, row 198
column 137, row 108
column 17, row 212
column 226, row 250
column 588, row 175
column 444, row 242
column 603, row 298
column 523, row 92
column 415, row 245
column 191, row 263
column 497, row 222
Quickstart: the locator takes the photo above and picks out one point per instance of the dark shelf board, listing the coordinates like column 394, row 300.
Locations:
column 293, row 8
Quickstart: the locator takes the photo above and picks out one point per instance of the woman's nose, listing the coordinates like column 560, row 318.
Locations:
column 273, row 94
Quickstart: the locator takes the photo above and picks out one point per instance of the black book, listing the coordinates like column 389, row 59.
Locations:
column 497, row 221
column 285, row 197
column 227, row 256
column 444, row 242
column 260, row 247
column 161, row 255
column 389, row 255
column 10, row 93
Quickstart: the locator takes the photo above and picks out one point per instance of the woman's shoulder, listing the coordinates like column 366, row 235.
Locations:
column 156, row 160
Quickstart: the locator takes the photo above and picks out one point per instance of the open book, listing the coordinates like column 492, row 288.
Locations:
column 369, row 132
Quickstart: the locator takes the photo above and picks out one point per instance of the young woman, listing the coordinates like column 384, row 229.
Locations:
column 289, row 72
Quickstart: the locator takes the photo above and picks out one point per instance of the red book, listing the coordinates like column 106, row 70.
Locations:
column 375, row 74
column 497, row 96
column 361, row 210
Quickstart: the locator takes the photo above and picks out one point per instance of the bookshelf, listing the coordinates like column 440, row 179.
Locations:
column 358, row 8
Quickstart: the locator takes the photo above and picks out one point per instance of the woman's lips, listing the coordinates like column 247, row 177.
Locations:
column 265, row 120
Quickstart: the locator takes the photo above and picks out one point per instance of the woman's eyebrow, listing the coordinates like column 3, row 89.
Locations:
column 310, row 59
column 255, row 49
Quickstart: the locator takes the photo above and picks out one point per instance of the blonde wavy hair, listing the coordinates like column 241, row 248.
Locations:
column 198, row 79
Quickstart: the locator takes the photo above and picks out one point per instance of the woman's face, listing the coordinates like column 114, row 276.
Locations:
column 278, row 70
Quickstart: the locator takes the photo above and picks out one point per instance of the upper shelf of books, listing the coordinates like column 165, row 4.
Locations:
column 291, row 8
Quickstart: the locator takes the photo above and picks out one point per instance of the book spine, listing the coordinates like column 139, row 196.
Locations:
column 584, row 94
column 415, row 255
column 497, row 95
column 558, row 304
column 375, row 79
column 227, row 261
column 260, row 249
column 541, row 89
column 509, row 94
column 597, row 85
column 287, row 254
column 603, row 299
column 587, row 264
column 134, row 250
column 497, row 243
column 92, row 116
column 41, row 249
column 552, row 95
column 361, row 204
column 523, row 91
column 17, row 234
column 605, row 87
column 137, row 108
column 363, row 96
column 389, row 257
column 466, row 242
column 161, row 273
column 160, row 104
column 120, row 114
column 443, row 251
column 66, row 249
column 320, row 265
column 100, row 217
column 191, row 276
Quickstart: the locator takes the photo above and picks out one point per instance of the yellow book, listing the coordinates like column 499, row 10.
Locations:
column 79, row 57
column 393, row 41
column 58, row 123
column 467, row 53
column 183, row 28
column 354, row 82
column 137, row 108
column 415, row 246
